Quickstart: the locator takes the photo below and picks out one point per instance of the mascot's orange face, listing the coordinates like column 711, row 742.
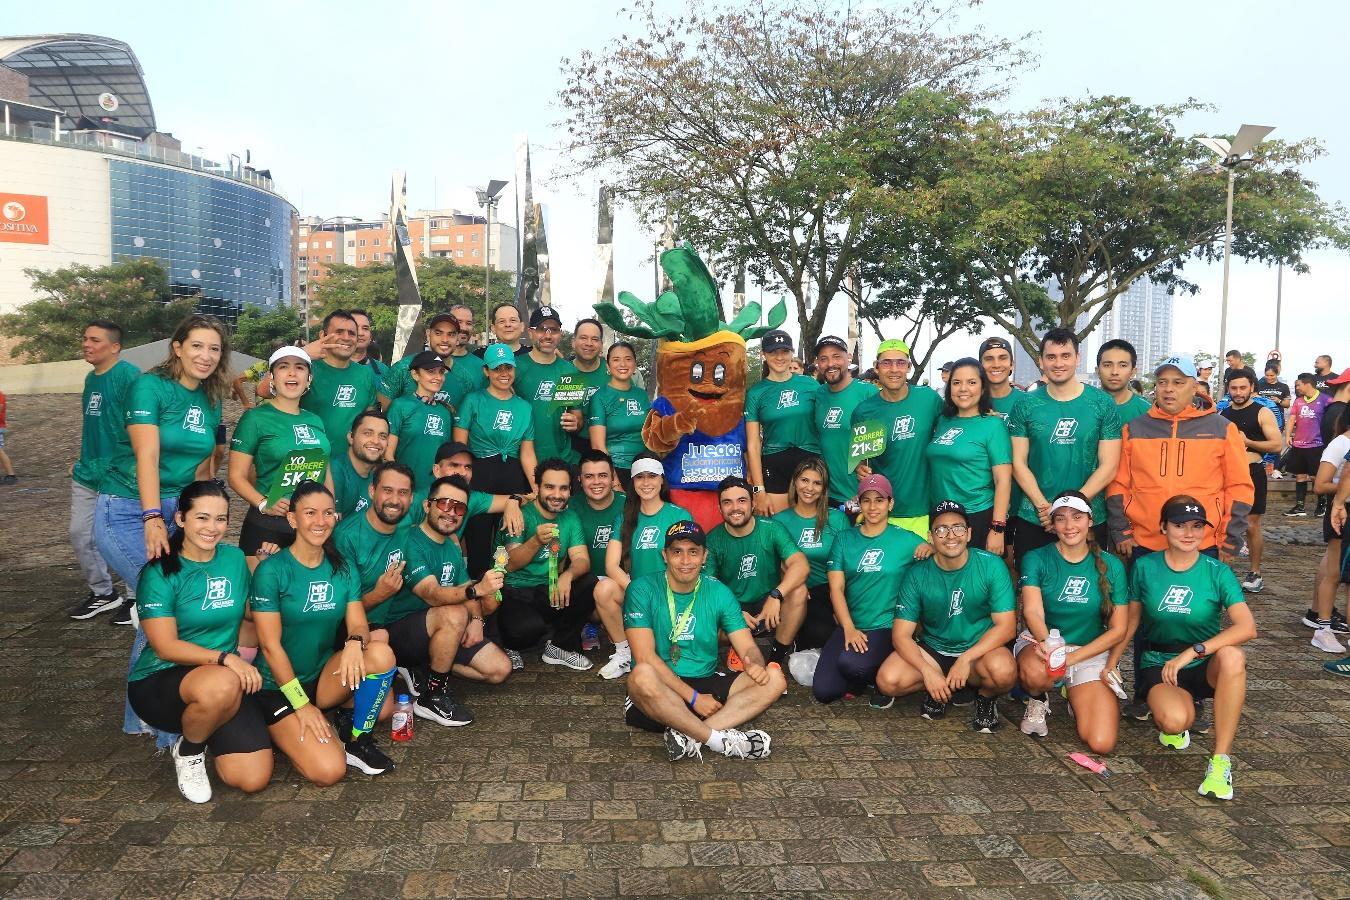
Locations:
column 706, row 375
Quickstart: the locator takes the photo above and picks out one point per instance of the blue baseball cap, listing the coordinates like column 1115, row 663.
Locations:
column 1183, row 364
column 498, row 355
column 686, row 530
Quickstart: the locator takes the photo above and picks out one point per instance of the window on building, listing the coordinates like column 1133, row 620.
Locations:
column 328, row 245
column 351, row 243
column 304, row 245
column 375, row 242
column 362, row 242
column 475, row 251
column 459, row 253
column 328, row 258
column 474, row 236
column 459, row 239
column 363, row 257
column 314, row 272
column 440, row 238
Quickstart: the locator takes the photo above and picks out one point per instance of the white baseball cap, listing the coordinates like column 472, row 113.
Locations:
column 1071, row 502
column 288, row 351
column 646, row 465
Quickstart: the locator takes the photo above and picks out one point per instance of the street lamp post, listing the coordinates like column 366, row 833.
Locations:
column 1232, row 157
column 488, row 198
column 313, row 229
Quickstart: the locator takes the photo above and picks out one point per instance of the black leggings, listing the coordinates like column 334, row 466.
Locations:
column 819, row 623
column 157, row 699
column 526, row 618
column 841, row 670
column 491, row 475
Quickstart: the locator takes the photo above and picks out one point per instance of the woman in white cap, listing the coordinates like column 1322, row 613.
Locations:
column 282, row 445
column 1074, row 588
column 780, row 432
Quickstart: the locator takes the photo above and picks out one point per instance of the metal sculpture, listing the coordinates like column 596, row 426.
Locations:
column 407, row 335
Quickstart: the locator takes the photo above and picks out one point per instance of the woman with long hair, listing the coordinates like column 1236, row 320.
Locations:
column 1178, row 598
column 780, row 430
column 1072, row 586
column 634, row 550
column 300, row 599
column 171, row 417
column 189, row 680
column 617, row 411
column 282, row 445
column 813, row 525
column 970, row 456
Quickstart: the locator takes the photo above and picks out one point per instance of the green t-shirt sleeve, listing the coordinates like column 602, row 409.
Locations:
column 1031, row 573
column 154, row 594
column 570, row 532
column 597, row 412
column 420, row 563
column 528, row 433
column 835, row 561
column 1017, row 420
column 1136, row 581
column 465, row 411
column 1230, row 590
column 143, row 401
column 1001, row 596
column 1000, row 445
column 398, row 415
column 729, row 617
column 907, row 603
column 752, row 403
column 779, row 539
column 247, row 434
column 636, row 600
column 1111, row 418
column 264, row 593
column 1115, row 577
column 349, row 581
column 479, row 503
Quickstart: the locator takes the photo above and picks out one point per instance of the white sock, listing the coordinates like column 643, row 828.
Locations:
column 715, row 742
column 622, row 647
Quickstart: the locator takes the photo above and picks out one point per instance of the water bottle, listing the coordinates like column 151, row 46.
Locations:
column 554, row 548
column 499, row 565
column 1056, row 654
column 402, row 720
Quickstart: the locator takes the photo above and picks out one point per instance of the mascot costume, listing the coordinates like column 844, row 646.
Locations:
column 698, row 420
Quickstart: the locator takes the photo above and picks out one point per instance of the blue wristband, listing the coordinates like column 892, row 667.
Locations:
column 152, row 513
column 693, row 700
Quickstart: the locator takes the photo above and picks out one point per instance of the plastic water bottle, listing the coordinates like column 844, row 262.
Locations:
column 402, row 719
column 1057, row 654
column 499, row 565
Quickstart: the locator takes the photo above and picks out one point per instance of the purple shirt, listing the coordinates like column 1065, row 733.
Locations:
column 1308, row 421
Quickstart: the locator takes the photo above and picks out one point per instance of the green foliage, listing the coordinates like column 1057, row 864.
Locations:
column 258, row 333
column 133, row 293
column 373, row 288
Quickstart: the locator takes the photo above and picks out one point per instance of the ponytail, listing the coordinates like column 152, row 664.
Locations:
column 1103, row 582
column 171, row 563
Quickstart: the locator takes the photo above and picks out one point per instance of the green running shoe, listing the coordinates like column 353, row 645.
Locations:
column 1175, row 741
column 1218, row 781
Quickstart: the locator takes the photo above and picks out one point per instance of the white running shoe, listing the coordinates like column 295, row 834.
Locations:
column 1324, row 639
column 753, row 744
column 681, row 746
column 1033, row 720
column 193, row 782
column 620, row 664
column 554, row 655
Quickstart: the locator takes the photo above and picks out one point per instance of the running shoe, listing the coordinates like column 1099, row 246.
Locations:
column 1204, row 722
column 1033, row 720
column 364, row 755
column 1218, row 781
column 963, row 696
column 124, row 614
column 1325, row 639
column 734, row 660
column 986, row 715
column 1338, row 623
column 554, row 655
column 1175, row 741
column 93, row 605
column 9, row 479
column 590, row 637
column 1339, row 667
column 1321, row 507
column 1253, row 583
column 681, row 746
column 193, row 782
column 413, row 679
column 1310, row 619
column 517, row 661
column 932, row 709
column 753, row 744
column 1297, row 511
column 620, row 664
column 442, row 708
column 1139, row 711
column 877, row 700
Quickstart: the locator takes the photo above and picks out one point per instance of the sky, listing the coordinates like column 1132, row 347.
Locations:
column 332, row 96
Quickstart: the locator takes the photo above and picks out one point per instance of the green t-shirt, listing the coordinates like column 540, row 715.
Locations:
column 593, row 380
column 1004, row 406
column 421, row 428
column 960, row 458
column 271, row 436
column 312, row 603
column 426, row 558
column 873, row 569
column 954, row 609
column 351, row 491
column 908, row 424
column 496, row 427
column 206, row 600
column 810, row 541
column 647, row 605
column 187, row 423
column 598, row 527
column 535, row 572
column 649, row 538
column 1062, row 442
column 1182, row 608
column 786, row 413
column 535, row 383
column 622, row 413
column 1072, row 592
column 103, row 423
column 834, row 422
column 478, row 504
column 337, row 395
column 368, row 554
column 1133, row 408
column 750, row 566
column 469, row 370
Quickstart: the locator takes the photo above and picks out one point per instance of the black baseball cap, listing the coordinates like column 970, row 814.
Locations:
column 452, row 448
column 442, row 317
column 686, row 530
column 427, row 359
column 946, row 367
column 993, row 342
column 778, row 339
column 1180, row 510
column 948, row 506
column 543, row 314
column 831, row 340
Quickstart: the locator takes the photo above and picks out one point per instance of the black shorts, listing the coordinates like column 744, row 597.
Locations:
column 778, row 468
column 274, row 706
column 944, row 661
column 1258, row 473
column 979, row 523
column 411, row 642
column 1304, row 460
column 1194, row 680
column 1328, row 535
column 157, row 700
column 259, row 527
column 716, row 685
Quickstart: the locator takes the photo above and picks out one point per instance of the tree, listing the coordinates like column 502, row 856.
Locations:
column 133, row 293
column 258, row 333
column 1090, row 195
column 756, row 127
column 443, row 283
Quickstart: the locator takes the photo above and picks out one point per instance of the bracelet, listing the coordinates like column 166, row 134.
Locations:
column 220, row 660
column 262, row 506
column 356, row 637
column 153, row 513
column 475, row 618
column 295, row 694
column 152, row 516
column 693, row 700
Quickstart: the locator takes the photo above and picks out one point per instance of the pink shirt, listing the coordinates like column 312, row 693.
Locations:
column 1308, row 421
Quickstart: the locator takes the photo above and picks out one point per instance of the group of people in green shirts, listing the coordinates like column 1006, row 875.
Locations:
column 459, row 508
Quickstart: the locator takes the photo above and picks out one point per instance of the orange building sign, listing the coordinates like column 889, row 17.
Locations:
column 23, row 218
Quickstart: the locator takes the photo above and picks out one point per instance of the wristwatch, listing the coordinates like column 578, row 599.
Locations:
column 516, row 497
column 998, row 526
column 776, row 594
column 756, row 488
column 1199, row 650
column 262, row 505
column 470, row 593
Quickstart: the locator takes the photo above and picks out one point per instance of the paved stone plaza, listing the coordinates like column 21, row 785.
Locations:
column 548, row 794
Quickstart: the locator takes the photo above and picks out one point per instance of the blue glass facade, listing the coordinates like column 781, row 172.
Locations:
column 227, row 242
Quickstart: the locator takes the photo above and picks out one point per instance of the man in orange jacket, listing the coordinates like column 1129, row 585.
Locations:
column 1177, row 449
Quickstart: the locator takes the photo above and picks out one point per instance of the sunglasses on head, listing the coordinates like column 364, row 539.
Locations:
column 450, row 505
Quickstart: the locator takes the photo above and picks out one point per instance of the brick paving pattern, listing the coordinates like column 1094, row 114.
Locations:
column 549, row 795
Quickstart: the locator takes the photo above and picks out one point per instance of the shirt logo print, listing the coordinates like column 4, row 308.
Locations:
column 603, row 535
column 647, row 537
column 1064, row 431
column 435, row 426
column 192, row 420
column 503, row 420
column 304, row 435
column 808, row 538
column 447, row 574
column 95, row 407
column 749, row 566
column 545, row 391
column 320, row 597
column 634, row 408
column 948, row 437
column 394, row 558
column 686, row 633
column 219, row 593
column 1177, row 600
column 345, row 396
column 957, row 604
column 871, row 560
column 832, row 416
column 1075, row 589
column 787, row 399
column 904, row 428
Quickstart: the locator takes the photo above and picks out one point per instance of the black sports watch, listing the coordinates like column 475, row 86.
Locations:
column 470, row 592
column 1199, row 650
column 776, row 594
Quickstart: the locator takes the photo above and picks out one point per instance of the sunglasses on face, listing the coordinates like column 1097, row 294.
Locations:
column 450, row 505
